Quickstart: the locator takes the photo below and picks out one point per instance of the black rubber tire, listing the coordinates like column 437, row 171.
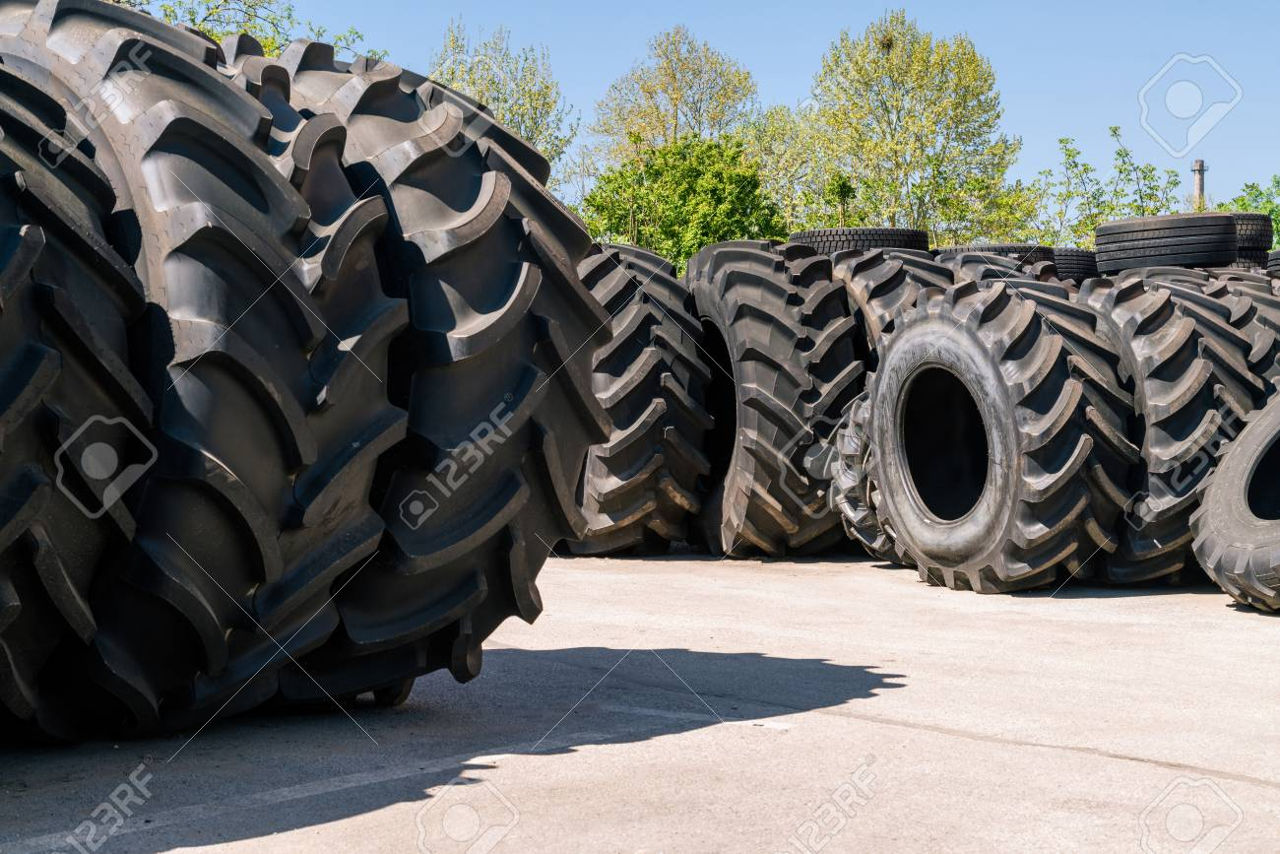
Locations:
column 881, row 283
column 640, row 487
column 853, row 493
column 1176, row 240
column 1189, row 376
column 830, row 240
column 394, row 695
column 1022, row 522
column 1254, row 231
column 501, row 343
column 1075, row 264
column 1237, row 525
column 268, row 432
column 1236, row 309
column 1251, row 259
column 1273, row 264
column 779, row 334
column 1022, row 253
column 71, row 316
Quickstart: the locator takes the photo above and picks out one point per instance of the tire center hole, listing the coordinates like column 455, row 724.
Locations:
column 945, row 442
column 1263, row 493
column 722, row 403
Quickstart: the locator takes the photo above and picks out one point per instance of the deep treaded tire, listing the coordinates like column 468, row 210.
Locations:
column 981, row 442
column 779, row 334
column 1254, row 231
column 830, row 240
column 1075, row 264
column 1273, row 264
column 1237, row 525
column 71, row 314
column 881, row 283
column 495, row 372
column 1251, row 259
column 267, row 355
column 1022, row 253
column 1191, row 386
column 1176, row 240
column 853, row 493
column 640, row 487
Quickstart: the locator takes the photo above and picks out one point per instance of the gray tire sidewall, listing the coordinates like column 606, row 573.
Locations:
column 1228, row 516
column 938, row 343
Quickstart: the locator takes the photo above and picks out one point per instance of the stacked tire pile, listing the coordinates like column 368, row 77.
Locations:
column 297, row 371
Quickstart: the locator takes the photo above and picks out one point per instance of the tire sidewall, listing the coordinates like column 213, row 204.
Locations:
column 939, row 343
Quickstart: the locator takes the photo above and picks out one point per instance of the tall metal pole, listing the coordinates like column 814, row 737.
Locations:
column 1197, row 194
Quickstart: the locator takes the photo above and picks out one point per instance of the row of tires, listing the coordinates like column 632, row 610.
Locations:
column 969, row 411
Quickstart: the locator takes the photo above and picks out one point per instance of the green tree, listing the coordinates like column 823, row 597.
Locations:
column 783, row 143
column 1076, row 197
column 683, row 87
column 914, row 122
column 274, row 23
column 517, row 85
column 1258, row 198
column 678, row 198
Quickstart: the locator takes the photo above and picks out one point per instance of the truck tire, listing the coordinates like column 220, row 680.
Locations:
column 1190, row 384
column 1251, row 259
column 1022, row 253
column 779, row 334
column 1254, row 231
column 981, row 443
column 830, row 240
column 494, row 370
column 1237, row 523
column 1176, row 240
column 1273, row 264
column 640, row 487
column 266, row 351
column 1075, row 264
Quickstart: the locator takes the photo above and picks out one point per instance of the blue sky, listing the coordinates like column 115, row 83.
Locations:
column 1060, row 72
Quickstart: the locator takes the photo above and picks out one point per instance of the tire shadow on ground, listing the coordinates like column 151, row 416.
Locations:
column 269, row 773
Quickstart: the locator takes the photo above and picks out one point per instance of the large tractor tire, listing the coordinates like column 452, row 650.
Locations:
column 495, row 369
column 640, row 487
column 982, row 445
column 77, row 427
column 267, row 356
column 1021, row 253
column 828, row 241
column 1192, row 386
column 1237, row 525
column 779, row 334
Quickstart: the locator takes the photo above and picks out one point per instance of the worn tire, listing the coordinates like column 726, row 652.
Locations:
column 1176, row 240
column 830, row 240
column 1075, row 264
column 779, row 334
column 1022, row 253
column 1237, row 525
column 640, row 487
column 968, row 375
column 495, row 371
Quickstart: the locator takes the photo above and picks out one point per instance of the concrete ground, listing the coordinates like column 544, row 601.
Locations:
column 697, row 705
